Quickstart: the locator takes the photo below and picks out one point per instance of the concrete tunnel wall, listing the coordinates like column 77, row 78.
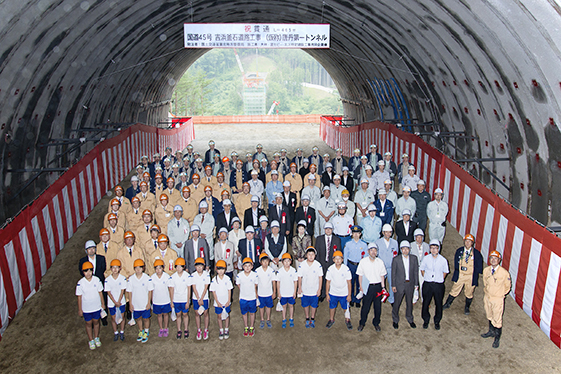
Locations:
column 489, row 68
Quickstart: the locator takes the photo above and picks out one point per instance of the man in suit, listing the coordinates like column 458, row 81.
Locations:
column 291, row 201
column 250, row 247
column 384, row 207
column 405, row 280
column 238, row 177
column 178, row 231
column 338, row 161
column 209, row 154
column 326, row 244
column 99, row 265
column 224, row 219
column 194, row 248
column 251, row 215
column 404, row 228
column 279, row 212
column 306, row 213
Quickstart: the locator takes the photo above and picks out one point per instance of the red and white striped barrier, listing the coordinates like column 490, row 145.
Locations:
column 30, row 243
column 531, row 253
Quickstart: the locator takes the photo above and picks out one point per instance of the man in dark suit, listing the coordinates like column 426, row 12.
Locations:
column 209, row 154
column 306, row 213
column 99, row 264
column 279, row 212
column 194, row 248
column 224, row 218
column 404, row 228
column 325, row 246
column 250, row 247
column 338, row 161
column 405, row 280
column 384, row 207
column 251, row 215
column 238, row 177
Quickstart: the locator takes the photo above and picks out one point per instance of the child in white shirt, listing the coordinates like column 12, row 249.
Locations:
column 115, row 286
column 338, row 288
column 287, row 284
column 265, row 290
column 200, row 281
column 139, row 292
column 161, row 301
column 247, row 282
column 221, row 287
column 180, row 290
column 90, row 303
column 310, row 276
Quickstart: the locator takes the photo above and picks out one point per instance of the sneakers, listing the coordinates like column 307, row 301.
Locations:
column 329, row 324
column 178, row 335
column 115, row 336
column 251, row 332
column 139, row 338
column 313, row 323
column 161, row 333
column 291, row 322
column 122, row 336
column 166, row 333
column 205, row 334
column 226, row 333
column 92, row 345
column 97, row 342
column 262, row 324
column 284, row 324
column 307, row 324
column 269, row 325
column 348, row 323
column 185, row 334
column 199, row 334
column 145, row 335
column 221, row 335
column 246, row 332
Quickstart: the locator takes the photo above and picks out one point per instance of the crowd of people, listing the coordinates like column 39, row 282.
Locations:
column 347, row 231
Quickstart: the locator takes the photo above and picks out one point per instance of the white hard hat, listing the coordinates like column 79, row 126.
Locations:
column 90, row 244
column 435, row 242
column 387, row 227
column 418, row 232
column 438, row 190
column 404, row 243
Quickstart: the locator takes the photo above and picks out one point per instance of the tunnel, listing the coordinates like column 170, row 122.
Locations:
column 482, row 76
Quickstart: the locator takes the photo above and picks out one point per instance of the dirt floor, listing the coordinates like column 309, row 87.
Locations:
column 48, row 335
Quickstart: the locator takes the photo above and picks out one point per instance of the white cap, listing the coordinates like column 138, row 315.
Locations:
column 372, row 207
column 421, row 182
column 227, row 202
column 387, row 154
column 328, row 225
column 223, row 229
column 372, row 245
column 326, row 188
column 275, row 223
column 373, row 146
column 203, row 204
column 249, row 229
column 411, row 167
column 388, row 181
column 368, row 167
column 364, row 180
column 381, row 162
column 312, row 176
column 90, row 244
column 341, row 205
column 404, row 155
column 404, row 243
column 278, row 194
column 363, row 157
column 302, row 223
column 195, row 228
column 254, row 172
column 305, row 197
column 328, row 165
column 407, row 188
column 178, row 208
column 387, row 227
column 306, row 160
column 406, row 212
column 134, row 178
column 434, row 242
column 438, row 190
column 382, row 191
column 254, row 198
column 274, row 172
column 286, row 183
column 263, row 219
column 418, row 232
column 336, row 176
column 345, row 168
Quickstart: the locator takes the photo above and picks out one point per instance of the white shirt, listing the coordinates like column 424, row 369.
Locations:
column 265, row 281
column 139, row 289
column 160, row 296
column 247, row 284
column 180, row 285
column 310, row 277
column 374, row 271
column 406, row 266
column 199, row 282
column 434, row 268
column 89, row 290
column 222, row 288
column 114, row 287
column 286, row 280
column 338, row 279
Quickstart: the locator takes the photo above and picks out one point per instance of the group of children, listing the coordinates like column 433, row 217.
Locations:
column 165, row 294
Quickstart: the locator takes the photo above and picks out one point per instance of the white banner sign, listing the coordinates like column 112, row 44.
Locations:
column 256, row 35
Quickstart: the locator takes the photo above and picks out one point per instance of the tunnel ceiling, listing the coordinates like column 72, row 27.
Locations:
column 486, row 68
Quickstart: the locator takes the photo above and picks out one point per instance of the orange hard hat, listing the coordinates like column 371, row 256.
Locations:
column 286, row 256
column 155, row 227
column 158, row 175
column 143, row 184
column 103, row 232
column 87, row 265
column 470, row 237
column 496, row 254
column 119, row 188
column 208, row 167
column 185, row 189
column 208, row 188
column 170, row 179
column 247, row 260
column 337, row 253
column 220, row 174
column 129, row 234
column 200, row 260
column 115, row 262
column 220, row 264
column 225, row 192
column 111, row 216
column 196, row 176
column 146, row 174
column 293, row 164
column 180, row 261
column 246, row 184
column 138, row 262
column 163, row 238
column 262, row 256
column 164, row 197
column 135, row 199
column 146, row 212
column 239, row 162
column 159, row 262
column 225, row 159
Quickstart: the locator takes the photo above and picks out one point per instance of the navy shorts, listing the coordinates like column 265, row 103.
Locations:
column 93, row 315
column 289, row 300
column 334, row 300
column 113, row 309
column 248, row 306
column 196, row 305
column 309, row 301
column 181, row 307
column 218, row 310
column 160, row 309
column 266, row 302
column 141, row 314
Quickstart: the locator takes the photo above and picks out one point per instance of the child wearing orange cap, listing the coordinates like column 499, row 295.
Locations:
column 115, row 287
column 338, row 288
column 139, row 292
column 247, row 282
column 180, row 289
column 287, row 284
column 200, row 281
column 220, row 288
column 161, row 301
column 90, row 303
